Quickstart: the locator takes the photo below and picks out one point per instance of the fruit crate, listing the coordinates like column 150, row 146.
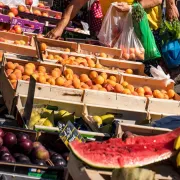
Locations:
column 164, row 171
column 44, row 138
column 42, row 90
column 97, row 50
column 84, row 41
column 58, row 45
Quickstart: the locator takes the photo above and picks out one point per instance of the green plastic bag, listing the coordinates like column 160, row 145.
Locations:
column 144, row 33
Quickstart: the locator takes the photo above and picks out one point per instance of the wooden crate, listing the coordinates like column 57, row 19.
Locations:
column 96, row 50
column 42, row 90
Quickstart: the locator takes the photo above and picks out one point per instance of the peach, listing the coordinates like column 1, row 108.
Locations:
column 68, row 71
column 12, row 76
column 89, row 83
column 90, row 63
column 75, row 76
column 43, row 46
column 25, row 77
column 171, row 93
column 118, row 88
column 84, row 78
column 140, row 90
column 129, row 71
column 99, row 66
column 94, row 87
column 68, row 83
column 127, row 91
column 37, row 12
column 64, row 56
column 83, row 64
column 41, row 69
column 93, row 75
column 10, row 65
column 51, row 81
column 41, row 79
column 50, row 57
column 28, row 71
column 9, row 71
column 21, row 8
column 99, row 80
column 55, row 73
column 104, row 75
column 124, row 84
column 77, row 83
column 18, row 74
column 103, row 55
column 148, row 91
column 72, row 58
column 60, row 81
column 21, row 68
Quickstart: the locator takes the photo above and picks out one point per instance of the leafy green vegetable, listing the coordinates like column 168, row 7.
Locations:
column 137, row 12
column 170, row 31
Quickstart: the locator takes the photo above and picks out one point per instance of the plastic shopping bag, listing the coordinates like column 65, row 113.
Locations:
column 111, row 27
column 128, row 42
column 158, row 73
column 143, row 32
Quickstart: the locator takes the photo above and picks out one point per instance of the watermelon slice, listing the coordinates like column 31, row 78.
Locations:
column 133, row 152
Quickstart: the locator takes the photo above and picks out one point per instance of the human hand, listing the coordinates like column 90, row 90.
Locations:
column 55, row 33
column 172, row 13
column 123, row 7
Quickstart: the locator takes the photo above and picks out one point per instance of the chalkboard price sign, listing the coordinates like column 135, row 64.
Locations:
column 69, row 133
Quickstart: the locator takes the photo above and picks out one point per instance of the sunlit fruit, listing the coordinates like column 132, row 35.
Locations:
column 55, row 73
column 104, row 75
column 89, row 83
column 126, row 91
column 42, row 69
column 21, row 8
column 129, row 71
column 134, row 93
column 9, row 71
column 37, row 12
column 51, row 81
column 10, row 65
column 98, row 65
column 130, row 87
column 25, row 77
column 103, row 55
column 148, row 91
column 124, row 84
column 94, row 87
column 22, row 42
column 113, row 78
column 93, row 75
column 21, row 68
column 84, row 78
column 140, row 90
column 60, row 81
column 28, row 71
column 67, row 50
column 171, row 93
column 109, row 87
column 29, row 2
column 43, row 46
column 155, row 93
column 17, row 29
column 103, row 89
column 68, row 71
column 118, row 88
column 77, row 83
column 50, row 57
column 113, row 83
column 99, row 80
column 90, row 62
column 41, row 79
column 68, row 83
column 12, row 77
column 14, row 11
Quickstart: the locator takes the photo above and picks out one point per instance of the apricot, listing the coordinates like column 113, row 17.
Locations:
column 9, row 71
column 124, row 84
column 57, row 69
column 72, row 58
column 94, row 87
column 43, row 46
column 98, row 65
column 148, row 91
column 134, row 93
column 163, row 91
column 18, row 74
column 12, row 76
column 129, row 71
column 68, row 71
column 77, row 83
column 17, row 42
column 160, row 95
column 60, row 81
column 118, row 88
column 113, row 78
column 103, row 89
column 64, row 56
column 35, row 76
column 98, row 86
column 51, row 81
column 166, row 96
column 104, row 75
column 55, row 73
column 57, row 57
column 14, row 84
column 69, row 76
column 21, row 68
column 68, row 83
column 111, row 82
column 127, row 91
column 156, row 92
column 28, row 71
column 41, row 69
column 141, row 94
column 50, row 57
column 140, row 90
column 84, row 78
column 84, row 86
column 22, row 42
column 83, row 64
column 91, row 63
column 93, row 75
column 67, row 50
column 99, row 80
column 41, row 79
column 103, row 55
column 25, row 77
column 10, row 65
column 31, row 65
column 171, row 93
column 89, row 83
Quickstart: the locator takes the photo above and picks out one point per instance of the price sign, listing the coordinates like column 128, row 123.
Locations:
column 69, row 133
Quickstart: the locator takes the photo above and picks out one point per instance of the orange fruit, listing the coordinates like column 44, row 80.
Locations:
column 41, row 79
column 10, row 65
column 103, row 55
column 99, row 80
column 77, row 83
column 130, row 87
column 93, row 75
column 12, row 77
column 113, row 78
column 84, row 78
column 129, row 71
column 118, row 88
column 68, row 71
column 127, row 91
column 60, row 81
column 104, row 75
column 171, row 93
column 124, row 84
column 42, row 69
column 43, row 46
column 28, row 71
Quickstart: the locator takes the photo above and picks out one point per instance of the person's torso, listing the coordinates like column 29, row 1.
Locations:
column 154, row 14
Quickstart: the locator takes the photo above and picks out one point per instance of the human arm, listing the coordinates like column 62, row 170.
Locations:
column 171, row 10
column 68, row 15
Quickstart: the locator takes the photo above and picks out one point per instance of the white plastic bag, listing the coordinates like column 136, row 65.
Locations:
column 158, row 73
column 111, row 27
column 128, row 42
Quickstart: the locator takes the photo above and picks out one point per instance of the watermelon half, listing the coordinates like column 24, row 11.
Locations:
column 134, row 152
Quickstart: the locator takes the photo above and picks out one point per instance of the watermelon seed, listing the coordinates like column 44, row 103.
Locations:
column 155, row 150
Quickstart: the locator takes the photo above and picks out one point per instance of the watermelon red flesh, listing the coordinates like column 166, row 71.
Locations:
column 134, row 152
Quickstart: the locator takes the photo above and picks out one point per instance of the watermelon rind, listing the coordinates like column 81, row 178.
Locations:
column 110, row 167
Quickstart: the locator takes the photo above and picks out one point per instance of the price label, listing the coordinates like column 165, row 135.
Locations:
column 69, row 133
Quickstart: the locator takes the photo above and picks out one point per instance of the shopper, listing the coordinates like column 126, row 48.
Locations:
column 76, row 5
